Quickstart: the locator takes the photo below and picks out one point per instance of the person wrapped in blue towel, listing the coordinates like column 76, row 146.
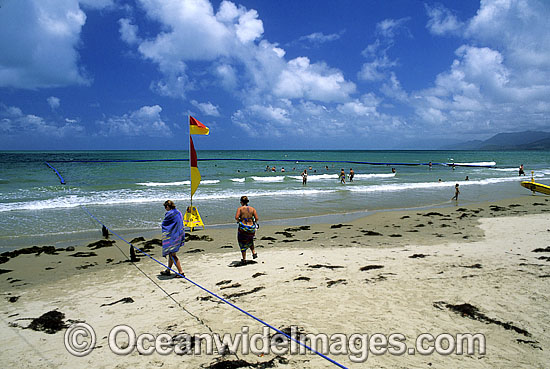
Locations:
column 173, row 237
column 247, row 218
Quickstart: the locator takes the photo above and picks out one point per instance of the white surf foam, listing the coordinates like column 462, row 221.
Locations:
column 476, row 164
column 180, row 183
column 164, row 184
column 394, row 187
column 269, row 179
column 374, row 175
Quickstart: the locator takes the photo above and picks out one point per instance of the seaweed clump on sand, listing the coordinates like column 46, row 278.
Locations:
column 235, row 364
column 472, row 312
column 100, row 244
column 50, row 322
column 319, row 266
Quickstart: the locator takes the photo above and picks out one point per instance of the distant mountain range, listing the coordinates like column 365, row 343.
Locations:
column 527, row 140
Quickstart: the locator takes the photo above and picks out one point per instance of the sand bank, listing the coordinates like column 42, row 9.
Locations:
column 469, row 269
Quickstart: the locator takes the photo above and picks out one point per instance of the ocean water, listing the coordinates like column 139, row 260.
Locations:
column 36, row 209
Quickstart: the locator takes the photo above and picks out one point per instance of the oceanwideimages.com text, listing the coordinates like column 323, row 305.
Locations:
column 80, row 340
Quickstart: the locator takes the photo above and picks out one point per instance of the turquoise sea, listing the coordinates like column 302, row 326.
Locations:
column 36, row 209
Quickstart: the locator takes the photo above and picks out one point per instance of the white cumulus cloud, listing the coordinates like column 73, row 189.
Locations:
column 54, row 102
column 39, row 40
column 207, row 108
column 145, row 122
column 15, row 123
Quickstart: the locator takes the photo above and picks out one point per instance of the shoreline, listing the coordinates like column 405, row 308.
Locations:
column 89, row 236
column 399, row 271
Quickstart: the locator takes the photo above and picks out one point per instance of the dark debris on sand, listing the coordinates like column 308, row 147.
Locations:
column 318, row 266
column 266, row 238
column 334, row 226
column 286, row 234
column 194, row 251
column 225, row 281
column 370, row 233
column 100, row 244
column 50, row 250
column 370, row 267
column 193, row 237
column 417, row 256
column 433, row 213
column 126, row 300
column 376, row 279
column 338, row 281
column 296, row 229
column 472, row 312
column 294, row 332
column 547, row 249
column 2, row 271
column 302, row 279
column 235, row 364
column 256, row 275
column 152, row 242
column 244, row 293
column 208, row 298
column 82, row 254
column 50, row 322
column 530, row 343
column 237, row 264
column 86, row 266
column 473, row 266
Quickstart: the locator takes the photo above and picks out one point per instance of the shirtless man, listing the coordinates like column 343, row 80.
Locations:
column 247, row 218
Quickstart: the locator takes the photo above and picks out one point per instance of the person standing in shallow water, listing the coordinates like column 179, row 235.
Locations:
column 173, row 237
column 342, row 176
column 247, row 218
column 521, row 171
column 457, row 192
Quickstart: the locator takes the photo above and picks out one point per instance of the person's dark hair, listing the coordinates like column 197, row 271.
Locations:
column 244, row 200
column 170, row 204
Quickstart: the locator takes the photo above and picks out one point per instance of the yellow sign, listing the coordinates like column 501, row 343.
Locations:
column 192, row 218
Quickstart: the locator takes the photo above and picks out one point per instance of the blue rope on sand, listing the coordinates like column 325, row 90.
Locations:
column 215, row 295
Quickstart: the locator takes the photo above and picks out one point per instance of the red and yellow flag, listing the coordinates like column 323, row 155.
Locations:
column 197, row 128
column 195, row 174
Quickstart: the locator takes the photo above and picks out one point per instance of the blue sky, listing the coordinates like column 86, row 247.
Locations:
column 354, row 74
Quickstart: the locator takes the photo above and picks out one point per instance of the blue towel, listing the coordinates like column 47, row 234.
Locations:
column 173, row 232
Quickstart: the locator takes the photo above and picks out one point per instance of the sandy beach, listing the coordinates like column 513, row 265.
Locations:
column 479, row 269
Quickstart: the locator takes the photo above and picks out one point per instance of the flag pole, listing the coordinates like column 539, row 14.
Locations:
column 190, row 175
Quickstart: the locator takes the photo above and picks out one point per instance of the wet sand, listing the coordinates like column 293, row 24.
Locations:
column 461, row 269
